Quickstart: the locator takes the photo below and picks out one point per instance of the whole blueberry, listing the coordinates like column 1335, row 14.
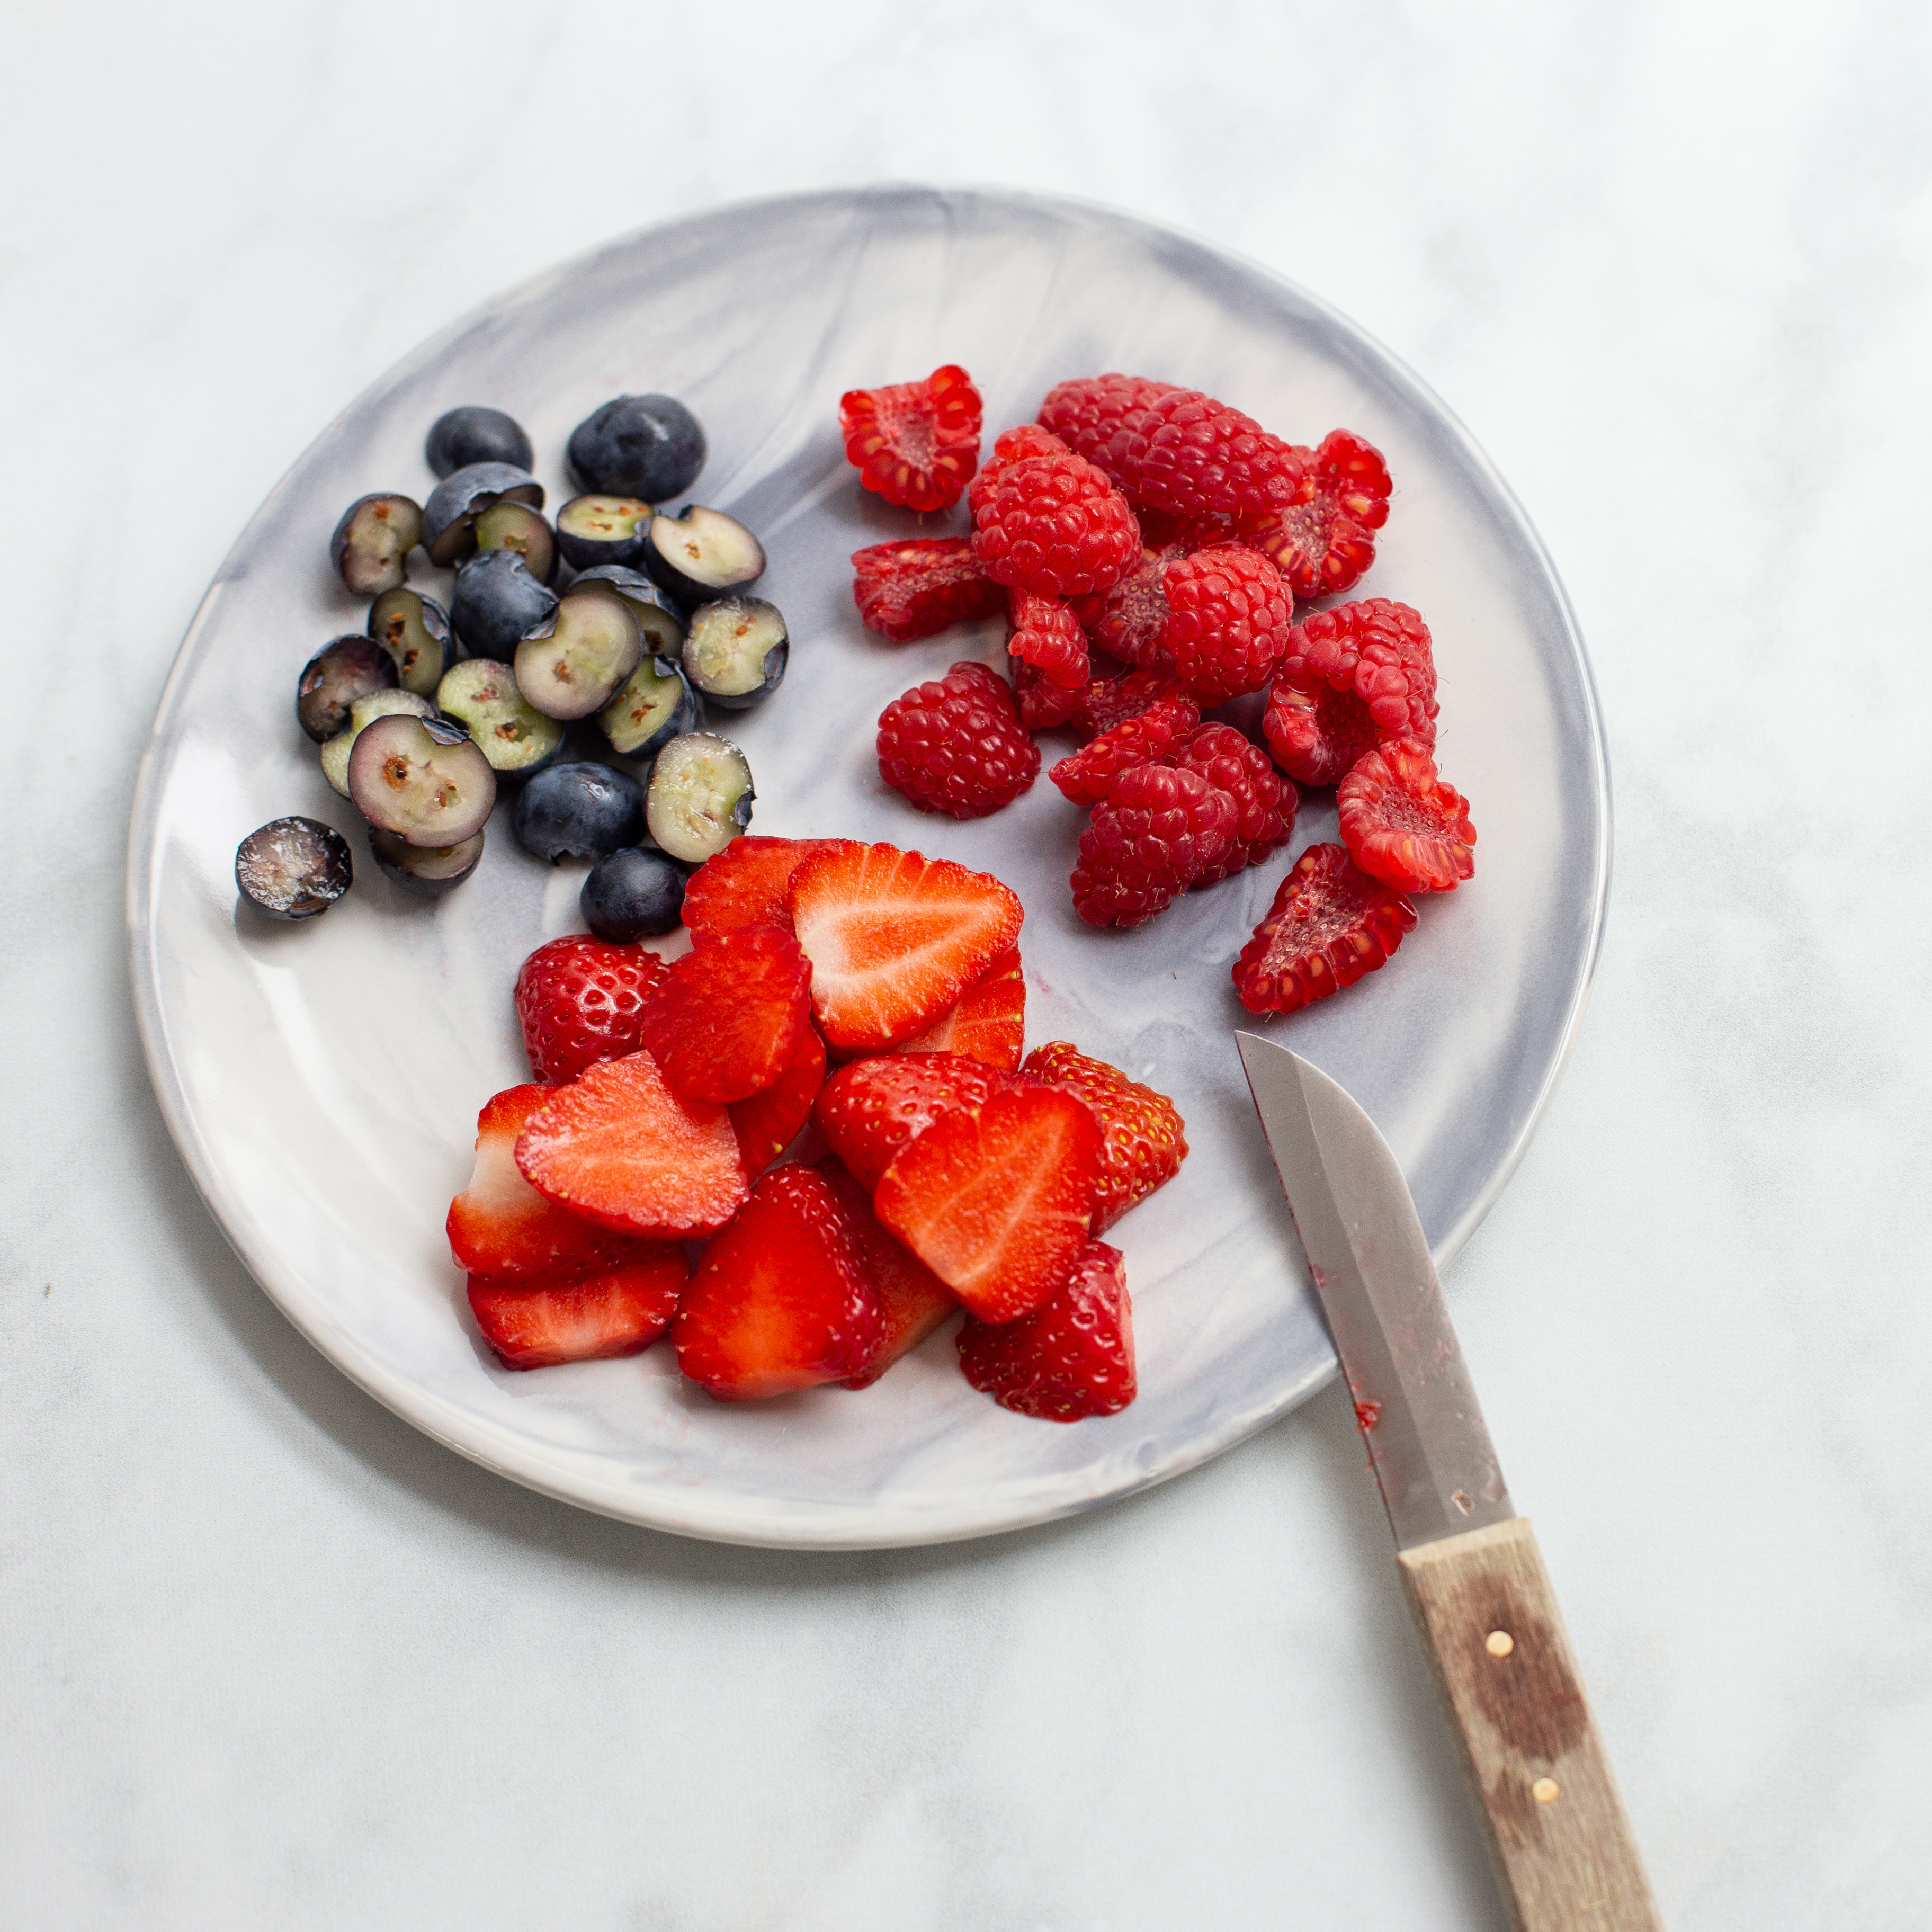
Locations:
column 578, row 811
column 637, row 893
column 646, row 446
column 474, row 434
column 495, row 602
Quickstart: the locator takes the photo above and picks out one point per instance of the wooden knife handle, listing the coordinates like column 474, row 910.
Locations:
column 1564, row 1856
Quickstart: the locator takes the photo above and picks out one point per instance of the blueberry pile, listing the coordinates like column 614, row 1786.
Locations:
column 574, row 661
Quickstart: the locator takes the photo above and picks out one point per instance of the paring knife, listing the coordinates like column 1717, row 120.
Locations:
column 1563, row 1856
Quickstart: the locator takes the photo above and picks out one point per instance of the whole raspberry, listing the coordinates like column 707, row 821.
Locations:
column 1128, row 620
column 957, row 746
column 1014, row 445
column 916, row 588
column 1189, row 454
column 1325, row 539
column 1084, row 778
column 1351, row 678
column 1155, row 833
column 1042, row 704
column 1227, row 622
column 1108, row 701
column 1264, row 803
column 1330, row 924
column 915, row 443
column 1045, row 633
column 1055, row 525
column 1093, row 414
column 1402, row 824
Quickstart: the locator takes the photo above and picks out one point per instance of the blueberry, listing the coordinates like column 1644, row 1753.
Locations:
column 662, row 620
column 647, row 446
column 701, row 554
column 373, row 540
column 449, row 517
column 497, row 600
column 416, row 629
column 483, row 693
column 700, row 798
column 293, row 868
column 363, row 713
column 594, row 530
column 736, row 651
column 342, row 671
column 427, row 871
column 475, row 434
column 634, row 894
column 656, row 706
column 578, row 811
column 576, row 660
column 407, row 777
column 509, row 525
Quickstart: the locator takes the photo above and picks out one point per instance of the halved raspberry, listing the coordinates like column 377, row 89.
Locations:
column 1129, row 620
column 1143, row 1138
column 1092, row 414
column 1013, row 445
column 916, row 588
column 915, row 443
column 1056, row 525
column 1157, row 831
column 1108, row 701
column 1085, row 777
column 1189, row 454
column 1227, row 621
column 1264, row 803
column 1365, row 673
column 1046, row 634
column 1042, row 704
column 1402, row 824
column 1324, row 540
column 1330, row 924
column 957, row 746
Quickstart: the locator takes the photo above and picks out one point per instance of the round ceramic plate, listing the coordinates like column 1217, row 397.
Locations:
column 323, row 1081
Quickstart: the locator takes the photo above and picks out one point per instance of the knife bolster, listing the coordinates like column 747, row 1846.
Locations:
column 1563, row 1856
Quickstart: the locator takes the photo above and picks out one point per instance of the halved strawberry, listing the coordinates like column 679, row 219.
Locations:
column 769, row 1122
column 780, row 1301
column 1072, row 1357
column 745, row 884
column 620, row 1148
column 996, row 1200
column 894, row 938
column 1144, row 1140
column 621, row 1311
column 913, row 1301
column 871, row 1108
column 989, row 1024
column 724, row 1022
column 499, row 1224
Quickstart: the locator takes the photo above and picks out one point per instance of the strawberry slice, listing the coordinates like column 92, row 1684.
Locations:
column 724, row 1022
column 894, row 938
column 1143, row 1140
column 780, row 1301
column 769, row 1121
column 913, row 1301
column 989, row 1023
column 621, row 1311
column 500, row 1225
column 579, row 1001
column 745, row 884
column 620, row 1148
column 996, row 1200
column 872, row 1108
column 1072, row 1357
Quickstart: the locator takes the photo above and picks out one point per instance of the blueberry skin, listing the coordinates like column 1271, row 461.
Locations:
column 646, row 446
column 475, row 434
column 637, row 893
column 496, row 601
column 578, row 811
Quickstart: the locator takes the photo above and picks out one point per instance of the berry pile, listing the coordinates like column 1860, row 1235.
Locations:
column 950, row 1173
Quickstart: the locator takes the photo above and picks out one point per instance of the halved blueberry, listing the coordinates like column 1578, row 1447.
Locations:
column 342, row 670
column 656, row 706
column 496, row 601
column 702, row 554
column 576, row 660
column 635, row 894
column 736, row 651
column 699, row 797
column 647, row 446
column 473, row 434
column 428, row 871
column 482, row 694
column 404, row 779
column 511, row 526
column 578, row 811
column 375, row 536
column 592, row 530
column 415, row 631
column 449, row 517
column 662, row 620
column 293, row 868
column 363, row 713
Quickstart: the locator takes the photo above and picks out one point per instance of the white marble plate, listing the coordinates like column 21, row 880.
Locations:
column 322, row 1081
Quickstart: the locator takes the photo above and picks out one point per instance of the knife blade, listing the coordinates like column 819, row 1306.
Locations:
column 1559, row 1839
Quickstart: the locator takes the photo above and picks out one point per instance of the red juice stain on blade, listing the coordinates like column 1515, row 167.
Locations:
column 1367, row 1414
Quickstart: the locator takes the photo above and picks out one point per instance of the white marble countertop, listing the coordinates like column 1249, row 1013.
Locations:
column 274, row 1658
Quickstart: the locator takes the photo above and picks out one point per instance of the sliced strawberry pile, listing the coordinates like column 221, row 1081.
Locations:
column 989, row 1023
column 871, row 1110
column 913, row 1301
column 772, row 1118
column 915, row 444
column 1071, row 1357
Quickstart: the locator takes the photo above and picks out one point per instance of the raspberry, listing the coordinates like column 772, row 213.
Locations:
column 1264, row 803
column 1351, row 678
column 1325, row 539
column 957, row 746
column 1402, row 824
column 1227, row 621
column 1157, row 831
column 916, row 588
column 1014, row 445
column 1128, row 619
column 1055, row 525
column 1044, row 633
column 1330, row 924
column 1093, row 414
column 1085, row 776
column 915, row 443
column 1108, row 701
column 1042, row 704
column 1189, row 454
